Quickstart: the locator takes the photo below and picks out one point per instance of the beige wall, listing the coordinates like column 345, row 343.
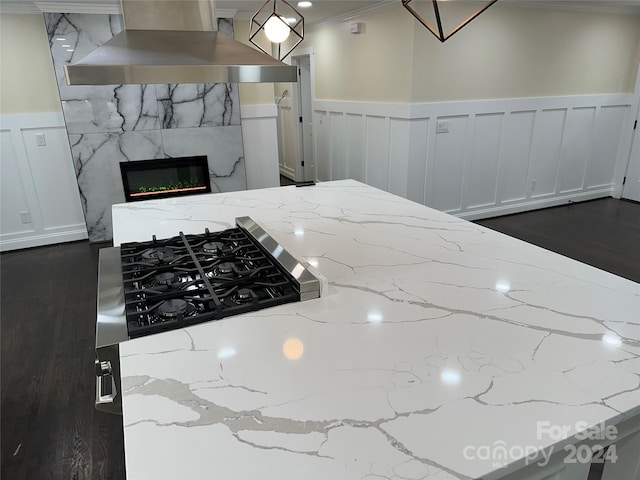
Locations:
column 518, row 52
column 27, row 80
column 505, row 53
column 373, row 66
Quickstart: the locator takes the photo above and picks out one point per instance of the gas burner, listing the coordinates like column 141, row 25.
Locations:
column 223, row 269
column 170, row 309
column 158, row 255
column 167, row 279
column 188, row 279
column 244, row 295
column 215, row 248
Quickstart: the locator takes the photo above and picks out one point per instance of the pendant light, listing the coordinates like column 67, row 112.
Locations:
column 439, row 32
column 282, row 21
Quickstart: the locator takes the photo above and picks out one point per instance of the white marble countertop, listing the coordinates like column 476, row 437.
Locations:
column 437, row 341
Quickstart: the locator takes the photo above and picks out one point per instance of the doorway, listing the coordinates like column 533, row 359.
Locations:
column 303, row 106
column 631, row 189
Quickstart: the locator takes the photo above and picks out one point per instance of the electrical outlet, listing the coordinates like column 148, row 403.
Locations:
column 442, row 127
column 533, row 185
column 25, row 217
column 41, row 140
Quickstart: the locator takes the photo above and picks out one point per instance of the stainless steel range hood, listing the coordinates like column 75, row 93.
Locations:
column 174, row 41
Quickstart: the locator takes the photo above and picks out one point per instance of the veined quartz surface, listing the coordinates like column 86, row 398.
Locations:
column 109, row 124
column 439, row 345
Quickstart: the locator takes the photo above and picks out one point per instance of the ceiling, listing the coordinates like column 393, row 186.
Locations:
column 322, row 10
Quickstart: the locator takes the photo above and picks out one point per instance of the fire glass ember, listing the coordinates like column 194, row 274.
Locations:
column 166, row 177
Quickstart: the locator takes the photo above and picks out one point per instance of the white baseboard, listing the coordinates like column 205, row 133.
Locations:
column 74, row 233
column 287, row 172
column 528, row 205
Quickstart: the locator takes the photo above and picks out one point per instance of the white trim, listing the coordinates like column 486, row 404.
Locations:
column 226, row 12
column 77, row 7
column 18, row 8
column 108, row 7
column 258, row 111
column 42, row 120
column 608, row 6
column 361, row 12
column 71, row 233
column 528, row 205
column 406, row 111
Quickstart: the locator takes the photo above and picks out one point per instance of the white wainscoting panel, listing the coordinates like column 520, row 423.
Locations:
column 38, row 181
column 338, row 145
column 356, row 168
column 608, row 132
column 400, row 141
column 547, row 142
column 377, row 147
column 516, row 156
column 498, row 156
column 260, row 138
column 482, row 172
column 447, row 175
column 322, row 146
column 577, row 148
column 14, row 195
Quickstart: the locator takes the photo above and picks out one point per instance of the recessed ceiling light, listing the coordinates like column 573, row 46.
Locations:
column 304, row 4
column 66, row 46
column 69, row 49
column 61, row 39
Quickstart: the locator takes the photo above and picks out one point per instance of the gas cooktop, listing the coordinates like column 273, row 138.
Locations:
column 189, row 279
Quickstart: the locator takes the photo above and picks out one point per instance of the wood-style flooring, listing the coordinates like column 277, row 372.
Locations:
column 604, row 233
column 50, row 429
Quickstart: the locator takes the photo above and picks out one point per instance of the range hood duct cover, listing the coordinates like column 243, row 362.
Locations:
column 172, row 41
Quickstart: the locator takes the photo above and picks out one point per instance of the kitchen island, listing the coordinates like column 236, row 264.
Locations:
column 439, row 349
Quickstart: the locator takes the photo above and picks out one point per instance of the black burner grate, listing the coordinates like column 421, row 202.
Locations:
column 189, row 279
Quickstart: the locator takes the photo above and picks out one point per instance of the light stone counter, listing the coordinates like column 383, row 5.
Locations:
column 438, row 345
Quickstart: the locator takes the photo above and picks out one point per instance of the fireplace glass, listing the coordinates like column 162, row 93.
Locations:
column 166, row 177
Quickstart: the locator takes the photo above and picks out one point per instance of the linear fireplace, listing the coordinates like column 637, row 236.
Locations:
column 166, row 177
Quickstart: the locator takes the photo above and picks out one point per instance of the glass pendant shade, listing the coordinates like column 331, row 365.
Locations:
column 276, row 29
column 281, row 24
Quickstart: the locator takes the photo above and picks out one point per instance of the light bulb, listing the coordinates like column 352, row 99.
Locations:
column 277, row 29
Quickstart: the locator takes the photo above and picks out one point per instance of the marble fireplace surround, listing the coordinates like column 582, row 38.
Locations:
column 110, row 124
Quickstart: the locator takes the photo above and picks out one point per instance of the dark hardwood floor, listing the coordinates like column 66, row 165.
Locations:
column 284, row 181
column 50, row 429
column 604, row 233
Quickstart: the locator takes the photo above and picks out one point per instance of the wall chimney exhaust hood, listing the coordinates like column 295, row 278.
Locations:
column 175, row 41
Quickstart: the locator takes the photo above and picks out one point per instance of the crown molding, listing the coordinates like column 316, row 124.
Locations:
column 105, row 7
column 18, row 7
column 226, row 12
column 78, row 7
column 623, row 7
column 345, row 17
